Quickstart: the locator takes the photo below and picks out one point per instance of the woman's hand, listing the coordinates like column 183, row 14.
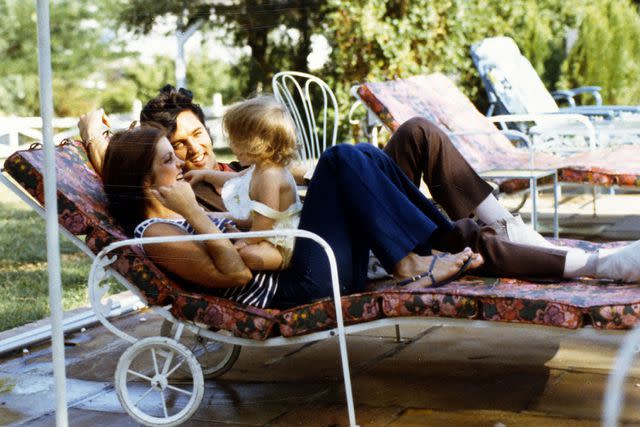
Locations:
column 240, row 243
column 178, row 197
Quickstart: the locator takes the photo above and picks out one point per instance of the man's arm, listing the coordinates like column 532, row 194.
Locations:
column 91, row 126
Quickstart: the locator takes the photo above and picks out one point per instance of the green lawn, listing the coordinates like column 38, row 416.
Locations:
column 24, row 293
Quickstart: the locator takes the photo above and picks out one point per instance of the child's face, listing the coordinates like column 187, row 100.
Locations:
column 239, row 150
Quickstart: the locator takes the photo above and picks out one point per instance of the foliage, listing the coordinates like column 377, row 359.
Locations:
column 384, row 39
column 79, row 48
column 260, row 24
column 375, row 40
column 142, row 81
column 607, row 51
column 265, row 26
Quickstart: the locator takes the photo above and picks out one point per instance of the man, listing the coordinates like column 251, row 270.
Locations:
column 184, row 122
column 174, row 110
column 419, row 147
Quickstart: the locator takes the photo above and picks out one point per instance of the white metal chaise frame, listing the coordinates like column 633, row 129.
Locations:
column 100, row 271
column 291, row 86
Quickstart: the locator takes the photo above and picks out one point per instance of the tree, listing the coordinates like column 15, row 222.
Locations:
column 260, row 24
column 142, row 81
column 139, row 16
column 383, row 39
column 79, row 45
column 606, row 51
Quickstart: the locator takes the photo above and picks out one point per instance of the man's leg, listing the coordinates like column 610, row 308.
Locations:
column 422, row 150
column 501, row 257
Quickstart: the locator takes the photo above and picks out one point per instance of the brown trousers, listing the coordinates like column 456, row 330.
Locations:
column 423, row 150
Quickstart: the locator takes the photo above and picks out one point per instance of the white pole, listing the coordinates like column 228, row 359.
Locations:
column 51, row 215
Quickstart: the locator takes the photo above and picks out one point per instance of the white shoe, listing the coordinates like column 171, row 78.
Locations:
column 621, row 265
column 515, row 230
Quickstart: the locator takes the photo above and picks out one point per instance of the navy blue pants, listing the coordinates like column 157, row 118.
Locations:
column 358, row 200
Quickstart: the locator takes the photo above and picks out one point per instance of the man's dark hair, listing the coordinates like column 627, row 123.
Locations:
column 165, row 107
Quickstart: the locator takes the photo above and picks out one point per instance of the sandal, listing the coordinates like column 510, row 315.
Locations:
column 429, row 274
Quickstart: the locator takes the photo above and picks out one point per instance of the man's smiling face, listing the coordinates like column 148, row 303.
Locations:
column 192, row 143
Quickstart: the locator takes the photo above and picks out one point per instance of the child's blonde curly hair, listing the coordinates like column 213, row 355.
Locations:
column 263, row 128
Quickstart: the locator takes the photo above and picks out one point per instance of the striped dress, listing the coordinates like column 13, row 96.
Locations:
column 259, row 292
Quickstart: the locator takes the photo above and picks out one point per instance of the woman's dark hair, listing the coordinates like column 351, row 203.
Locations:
column 127, row 163
column 165, row 107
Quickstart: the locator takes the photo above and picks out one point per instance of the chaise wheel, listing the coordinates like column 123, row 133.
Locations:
column 215, row 357
column 151, row 389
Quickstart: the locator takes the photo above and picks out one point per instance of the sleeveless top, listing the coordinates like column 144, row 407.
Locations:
column 235, row 195
column 259, row 292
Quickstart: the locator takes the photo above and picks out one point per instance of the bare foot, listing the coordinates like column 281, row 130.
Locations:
column 444, row 268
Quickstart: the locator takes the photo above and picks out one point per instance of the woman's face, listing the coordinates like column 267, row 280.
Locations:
column 167, row 168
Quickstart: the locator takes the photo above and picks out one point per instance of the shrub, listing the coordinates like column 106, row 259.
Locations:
column 607, row 51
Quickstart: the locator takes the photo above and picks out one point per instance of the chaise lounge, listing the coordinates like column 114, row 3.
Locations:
column 85, row 218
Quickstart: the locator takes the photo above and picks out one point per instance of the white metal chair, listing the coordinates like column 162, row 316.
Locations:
column 517, row 94
column 314, row 110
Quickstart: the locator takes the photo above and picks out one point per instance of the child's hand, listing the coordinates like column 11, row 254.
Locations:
column 195, row 176
column 178, row 197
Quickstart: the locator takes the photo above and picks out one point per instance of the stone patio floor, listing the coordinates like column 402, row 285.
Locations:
column 468, row 374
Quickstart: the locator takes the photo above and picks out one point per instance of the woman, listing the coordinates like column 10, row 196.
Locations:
column 358, row 200
column 147, row 195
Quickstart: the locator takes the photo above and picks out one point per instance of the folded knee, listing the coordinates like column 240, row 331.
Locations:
column 417, row 123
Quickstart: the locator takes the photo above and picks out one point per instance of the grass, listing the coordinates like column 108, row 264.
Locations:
column 24, row 292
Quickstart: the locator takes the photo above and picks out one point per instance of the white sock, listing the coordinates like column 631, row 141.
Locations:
column 623, row 264
column 490, row 210
column 579, row 263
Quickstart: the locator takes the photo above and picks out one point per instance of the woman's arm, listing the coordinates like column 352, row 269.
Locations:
column 180, row 198
column 190, row 260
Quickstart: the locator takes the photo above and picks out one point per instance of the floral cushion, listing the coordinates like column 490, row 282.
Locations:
column 242, row 320
column 403, row 303
column 82, row 202
column 321, row 314
column 83, row 210
column 436, row 98
column 153, row 284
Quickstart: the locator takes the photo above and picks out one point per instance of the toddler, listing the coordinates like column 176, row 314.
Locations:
column 262, row 197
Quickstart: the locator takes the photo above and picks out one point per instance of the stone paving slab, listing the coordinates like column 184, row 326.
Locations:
column 430, row 418
column 466, row 376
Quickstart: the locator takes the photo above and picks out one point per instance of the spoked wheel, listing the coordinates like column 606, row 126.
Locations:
column 151, row 389
column 214, row 357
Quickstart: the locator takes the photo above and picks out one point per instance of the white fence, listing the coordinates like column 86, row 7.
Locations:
column 20, row 132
